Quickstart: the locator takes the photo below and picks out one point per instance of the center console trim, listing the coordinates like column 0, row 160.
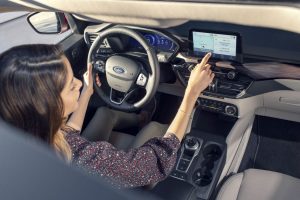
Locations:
column 194, row 156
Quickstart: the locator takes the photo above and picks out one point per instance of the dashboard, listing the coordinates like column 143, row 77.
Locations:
column 237, row 76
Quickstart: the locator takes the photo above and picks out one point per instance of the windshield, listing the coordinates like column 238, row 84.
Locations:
column 242, row 1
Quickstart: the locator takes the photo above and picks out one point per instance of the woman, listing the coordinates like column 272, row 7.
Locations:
column 40, row 95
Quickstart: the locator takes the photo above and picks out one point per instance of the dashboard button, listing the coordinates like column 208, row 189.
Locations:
column 230, row 110
column 183, row 165
column 179, row 175
column 231, row 75
column 191, row 66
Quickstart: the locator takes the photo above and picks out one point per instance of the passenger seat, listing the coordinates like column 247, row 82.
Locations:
column 260, row 185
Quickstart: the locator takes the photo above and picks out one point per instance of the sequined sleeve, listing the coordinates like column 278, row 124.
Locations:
column 150, row 163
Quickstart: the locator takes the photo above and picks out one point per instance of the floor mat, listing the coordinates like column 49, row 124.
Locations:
column 278, row 155
column 274, row 145
column 167, row 108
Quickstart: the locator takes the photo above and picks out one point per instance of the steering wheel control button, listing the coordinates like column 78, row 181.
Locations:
column 141, row 80
column 99, row 66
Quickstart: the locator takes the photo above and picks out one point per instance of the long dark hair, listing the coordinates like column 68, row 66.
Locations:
column 32, row 78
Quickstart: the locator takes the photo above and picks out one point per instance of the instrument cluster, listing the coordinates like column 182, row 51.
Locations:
column 159, row 42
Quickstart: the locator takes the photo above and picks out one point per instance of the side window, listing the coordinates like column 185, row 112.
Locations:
column 19, row 28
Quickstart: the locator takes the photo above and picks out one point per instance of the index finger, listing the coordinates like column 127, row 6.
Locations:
column 205, row 59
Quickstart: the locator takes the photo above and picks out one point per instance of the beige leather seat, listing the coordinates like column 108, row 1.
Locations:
column 254, row 184
column 125, row 141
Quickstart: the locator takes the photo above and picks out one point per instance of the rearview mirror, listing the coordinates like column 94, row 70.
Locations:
column 48, row 22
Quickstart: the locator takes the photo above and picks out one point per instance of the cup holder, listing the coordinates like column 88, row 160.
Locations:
column 202, row 177
column 212, row 152
column 207, row 164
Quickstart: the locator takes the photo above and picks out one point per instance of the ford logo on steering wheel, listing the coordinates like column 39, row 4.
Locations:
column 119, row 70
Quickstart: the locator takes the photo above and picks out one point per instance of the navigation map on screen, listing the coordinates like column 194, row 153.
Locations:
column 221, row 46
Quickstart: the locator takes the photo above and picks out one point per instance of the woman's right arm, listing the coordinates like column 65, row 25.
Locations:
column 200, row 78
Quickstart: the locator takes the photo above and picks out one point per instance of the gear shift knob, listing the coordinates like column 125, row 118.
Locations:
column 191, row 144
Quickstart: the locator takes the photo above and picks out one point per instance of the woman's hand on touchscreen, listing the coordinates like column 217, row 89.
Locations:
column 201, row 76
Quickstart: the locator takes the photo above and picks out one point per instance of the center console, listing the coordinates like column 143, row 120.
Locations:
column 200, row 159
column 198, row 164
column 202, row 155
column 228, row 83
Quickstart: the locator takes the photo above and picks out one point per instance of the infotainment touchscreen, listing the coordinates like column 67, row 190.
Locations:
column 223, row 46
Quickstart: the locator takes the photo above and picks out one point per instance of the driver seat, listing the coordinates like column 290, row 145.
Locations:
column 125, row 141
column 261, row 185
column 121, row 140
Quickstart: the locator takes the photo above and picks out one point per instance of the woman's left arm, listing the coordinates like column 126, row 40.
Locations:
column 76, row 119
column 147, row 164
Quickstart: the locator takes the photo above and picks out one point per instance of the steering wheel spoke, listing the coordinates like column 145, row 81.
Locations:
column 120, row 98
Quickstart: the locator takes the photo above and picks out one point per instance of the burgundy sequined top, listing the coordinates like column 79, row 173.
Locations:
column 150, row 163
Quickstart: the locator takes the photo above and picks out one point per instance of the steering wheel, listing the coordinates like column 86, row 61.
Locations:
column 124, row 74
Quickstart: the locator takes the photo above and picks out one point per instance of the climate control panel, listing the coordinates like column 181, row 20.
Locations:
column 218, row 106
